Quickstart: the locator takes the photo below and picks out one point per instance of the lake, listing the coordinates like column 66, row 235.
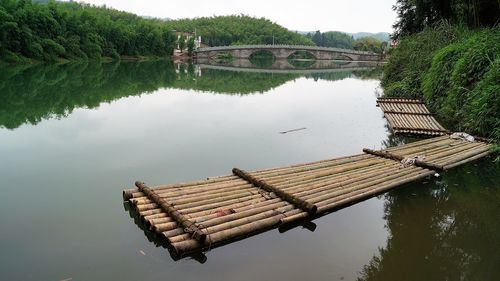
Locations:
column 73, row 136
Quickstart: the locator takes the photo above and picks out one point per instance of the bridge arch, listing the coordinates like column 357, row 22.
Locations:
column 303, row 54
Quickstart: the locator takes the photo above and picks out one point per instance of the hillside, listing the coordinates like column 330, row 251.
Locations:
column 238, row 30
column 381, row 36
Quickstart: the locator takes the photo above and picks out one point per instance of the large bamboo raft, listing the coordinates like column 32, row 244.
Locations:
column 410, row 116
column 202, row 214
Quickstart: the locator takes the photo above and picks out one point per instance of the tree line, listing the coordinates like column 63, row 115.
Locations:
column 414, row 16
column 69, row 30
column 238, row 30
column 53, row 30
column 342, row 40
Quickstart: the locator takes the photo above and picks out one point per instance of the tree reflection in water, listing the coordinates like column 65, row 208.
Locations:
column 445, row 229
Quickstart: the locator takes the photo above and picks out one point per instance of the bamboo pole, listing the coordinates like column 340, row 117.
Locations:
column 243, row 204
column 169, row 209
column 399, row 158
column 317, row 198
column 466, row 160
column 297, row 168
column 128, row 192
column 190, row 245
column 321, row 172
column 236, row 195
column 215, row 219
column 363, row 194
column 332, row 188
column 220, row 204
column 310, row 208
column 313, row 183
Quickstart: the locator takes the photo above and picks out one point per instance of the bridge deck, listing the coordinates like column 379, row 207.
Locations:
column 278, row 46
column 211, row 212
column 410, row 116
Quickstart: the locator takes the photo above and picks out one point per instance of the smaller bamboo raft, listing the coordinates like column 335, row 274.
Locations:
column 202, row 214
column 410, row 116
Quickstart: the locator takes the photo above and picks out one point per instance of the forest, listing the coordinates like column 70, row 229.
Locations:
column 53, row 31
column 238, row 30
column 342, row 40
column 68, row 30
column 449, row 55
column 58, row 31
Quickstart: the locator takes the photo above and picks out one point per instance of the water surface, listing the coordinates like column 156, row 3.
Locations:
column 73, row 136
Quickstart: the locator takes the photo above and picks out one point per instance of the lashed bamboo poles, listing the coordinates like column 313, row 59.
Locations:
column 230, row 207
column 410, row 116
column 174, row 213
column 399, row 158
column 310, row 208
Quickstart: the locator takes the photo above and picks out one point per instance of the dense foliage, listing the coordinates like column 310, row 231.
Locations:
column 238, row 30
column 71, row 30
column 456, row 71
column 333, row 39
column 415, row 15
column 342, row 40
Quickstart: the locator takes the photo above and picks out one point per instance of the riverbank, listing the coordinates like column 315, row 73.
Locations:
column 455, row 71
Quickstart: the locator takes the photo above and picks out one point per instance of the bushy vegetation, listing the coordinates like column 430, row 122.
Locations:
column 69, row 30
column 414, row 16
column 456, row 71
column 238, row 30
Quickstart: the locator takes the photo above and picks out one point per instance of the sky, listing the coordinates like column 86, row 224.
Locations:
column 311, row 15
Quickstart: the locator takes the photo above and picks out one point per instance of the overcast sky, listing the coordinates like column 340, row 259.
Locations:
column 310, row 15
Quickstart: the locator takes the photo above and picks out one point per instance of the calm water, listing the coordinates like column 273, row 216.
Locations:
column 73, row 136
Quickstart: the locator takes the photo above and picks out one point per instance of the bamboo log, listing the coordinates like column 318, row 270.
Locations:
column 400, row 101
column 294, row 217
column 363, row 194
column 190, row 245
column 422, row 129
column 230, row 205
column 239, row 213
column 466, row 160
column 455, row 151
column 407, row 112
column 221, row 204
column 128, row 192
column 176, row 215
column 316, row 183
column 191, row 196
column 248, row 219
column 399, row 158
column 310, row 208
column 200, row 201
column 245, row 214
column 321, row 172
column 317, row 198
column 333, row 187
column 320, row 164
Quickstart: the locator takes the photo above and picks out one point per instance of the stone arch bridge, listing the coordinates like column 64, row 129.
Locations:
column 285, row 51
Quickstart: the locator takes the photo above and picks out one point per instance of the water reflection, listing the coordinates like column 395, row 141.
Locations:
column 446, row 229
column 30, row 94
column 300, row 66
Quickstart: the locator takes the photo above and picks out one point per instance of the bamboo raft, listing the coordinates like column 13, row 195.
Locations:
column 410, row 116
column 200, row 215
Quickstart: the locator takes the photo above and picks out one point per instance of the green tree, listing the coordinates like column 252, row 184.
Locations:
column 190, row 46
column 181, row 42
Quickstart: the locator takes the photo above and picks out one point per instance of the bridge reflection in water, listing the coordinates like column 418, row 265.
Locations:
column 288, row 66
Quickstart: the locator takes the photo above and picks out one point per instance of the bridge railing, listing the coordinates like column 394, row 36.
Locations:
column 279, row 46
